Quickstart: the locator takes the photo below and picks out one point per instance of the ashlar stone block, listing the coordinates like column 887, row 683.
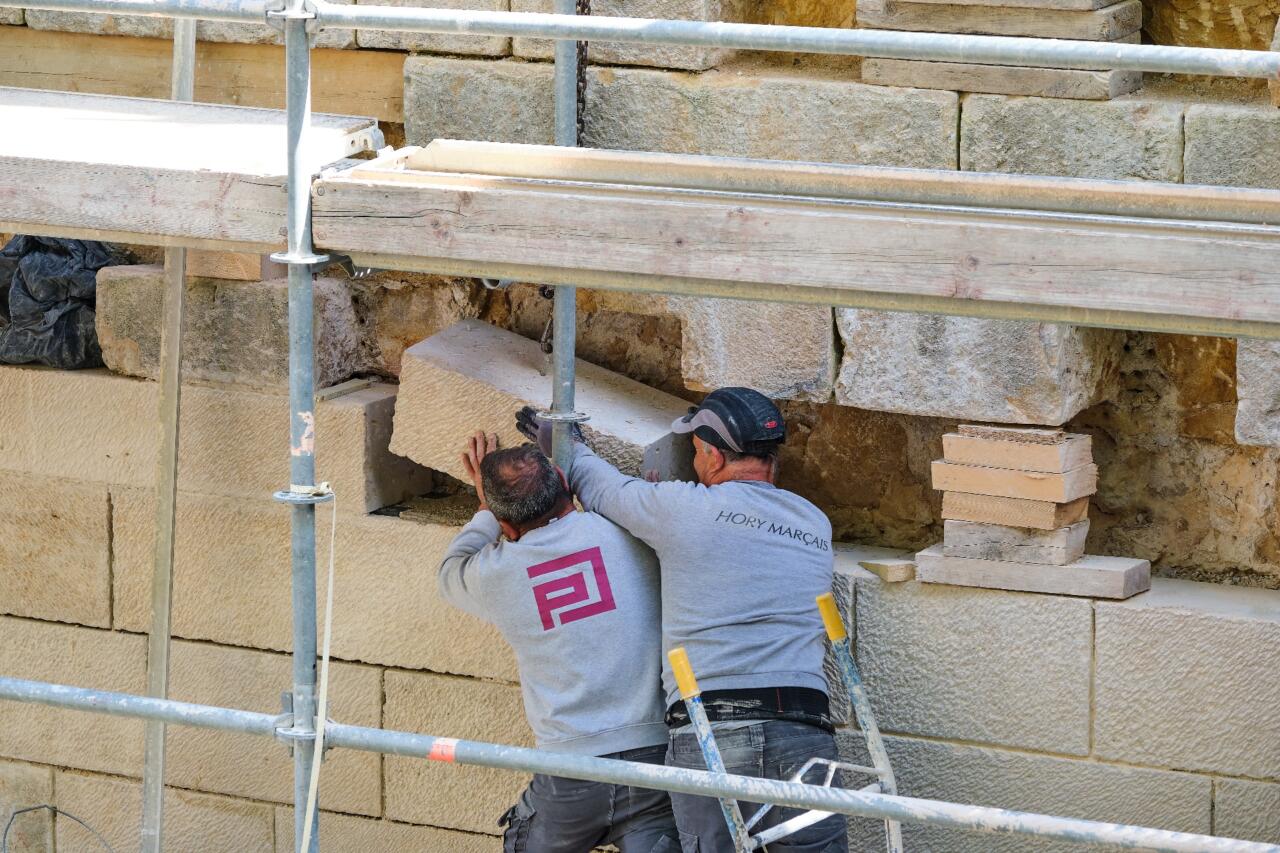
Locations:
column 1249, row 133
column 55, row 550
column 82, row 657
column 23, row 785
column 233, row 331
column 1184, row 679
column 474, row 376
column 1258, row 392
column 977, row 665
column 192, row 821
column 12, row 17
column 440, row 42
column 162, row 28
column 450, row 795
column 348, row 832
column 1247, row 810
column 1008, row 371
column 1034, row 783
column 503, row 101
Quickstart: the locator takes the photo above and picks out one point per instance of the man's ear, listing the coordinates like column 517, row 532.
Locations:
column 509, row 530
column 717, row 456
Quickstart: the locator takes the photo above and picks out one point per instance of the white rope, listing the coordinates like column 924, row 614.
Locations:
column 322, row 705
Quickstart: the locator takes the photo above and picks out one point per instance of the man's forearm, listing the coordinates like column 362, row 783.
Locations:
column 454, row 575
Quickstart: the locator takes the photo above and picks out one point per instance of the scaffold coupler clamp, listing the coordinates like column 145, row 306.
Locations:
column 320, row 493
column 287, row 731
column 283, row 10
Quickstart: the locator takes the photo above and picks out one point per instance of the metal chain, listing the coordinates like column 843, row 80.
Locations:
column 583, row 8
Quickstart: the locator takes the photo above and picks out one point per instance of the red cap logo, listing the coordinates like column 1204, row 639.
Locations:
column 770, row 424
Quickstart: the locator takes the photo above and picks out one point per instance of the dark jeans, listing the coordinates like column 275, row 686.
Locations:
column 773, row 749
column 558, row 815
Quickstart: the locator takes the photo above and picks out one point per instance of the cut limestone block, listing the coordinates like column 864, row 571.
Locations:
column 55, row 550
column 162, row 28
column 1247, row 810
column 1013, row 512
column 237, row 764
column 347, row 832
column 977, row 665
column 1090, row 576
column 1258, row 392
column 235, row 266
column 248, row 575
column 1050, row 451
column 12, row 17
column 474, row 376
column 1016, row 544
column 490, row 101
column 1008, row 371
column 23, row 785
column 448, row 795
column 192, row 821
column 1012, row 779
column 1186, row 678
column 1249, row 132
column 1002, row 79
column 889, row 564
column 618, row 53
column 82, row 657
column 439, row 42
column 232, row 331
column 1008, row 483
column 1105, row 24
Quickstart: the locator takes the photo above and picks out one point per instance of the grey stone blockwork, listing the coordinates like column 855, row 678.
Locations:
column 143, row 27
column 440, row 42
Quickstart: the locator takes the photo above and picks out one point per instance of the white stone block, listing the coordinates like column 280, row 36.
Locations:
column 348, row 832
column 1247, row 810
column 1258, row 392
column 23, row 785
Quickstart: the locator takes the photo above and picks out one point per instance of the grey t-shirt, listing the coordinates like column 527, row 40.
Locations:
column 742, row 564
column 578, row 602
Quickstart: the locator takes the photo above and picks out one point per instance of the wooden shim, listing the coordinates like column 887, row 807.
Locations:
column 1009, row 483
column 654, row 239
column 891, row 565
column 1056, row 547
column 235, row 266
column 1001, row 80
column 1094, row 577
column 1105, row 24
column 355, row 82
column 1013, row 512
column 1007, row 451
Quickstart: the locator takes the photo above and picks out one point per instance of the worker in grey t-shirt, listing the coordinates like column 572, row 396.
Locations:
column 577, row 598
column 742, row 562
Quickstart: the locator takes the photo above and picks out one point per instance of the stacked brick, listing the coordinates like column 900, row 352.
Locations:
column 1016, row 504
column 1085, row 20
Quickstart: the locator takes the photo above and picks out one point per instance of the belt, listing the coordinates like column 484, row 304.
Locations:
column 793, row 704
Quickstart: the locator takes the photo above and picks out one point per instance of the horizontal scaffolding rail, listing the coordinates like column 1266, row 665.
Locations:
column 794, row 794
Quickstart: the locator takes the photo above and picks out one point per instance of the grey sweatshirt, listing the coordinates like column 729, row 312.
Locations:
column 578, row 602
column 742, row 564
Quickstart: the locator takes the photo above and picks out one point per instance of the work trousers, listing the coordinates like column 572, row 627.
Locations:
column 558, row 815
column 772, row 749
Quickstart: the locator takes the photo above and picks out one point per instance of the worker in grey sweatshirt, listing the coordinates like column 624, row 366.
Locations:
column 577, row 598
column 742, row 562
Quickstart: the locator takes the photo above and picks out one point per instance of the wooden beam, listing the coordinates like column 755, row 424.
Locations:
column 1017, row 544
column 350, row 82
column 1095, row 577
column 1013, row 512
column 994, row 447
column 1008, row 483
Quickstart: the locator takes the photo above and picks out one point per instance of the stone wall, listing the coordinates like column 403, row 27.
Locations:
column 1160, row 710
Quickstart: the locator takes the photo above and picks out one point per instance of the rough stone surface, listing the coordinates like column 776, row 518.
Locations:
column 234, row 442
column 1258, row 390
column 399, row 309
column 1183, row 679
column 769, row 115
column 993, row 667
column 1122, row 139
column 1250, row 134
column 1035, row 783
column 960, row 367
column 448, row 795
column 228, row 763
column 1244, row 24
column 474, row 376
column 192, row 821
column 440, row 42
column 662, row 56
column 347, row 832
column 13, row 18
column 162, row 28
column 471, row 99
column 783, row 351
column 233, row 331
column 83, row 657
column 55, row 550
column 1247, row 810
column 23, row 785
column 249, row 576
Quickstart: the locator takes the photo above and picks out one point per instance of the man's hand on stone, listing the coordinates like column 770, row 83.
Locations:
column 479, row 445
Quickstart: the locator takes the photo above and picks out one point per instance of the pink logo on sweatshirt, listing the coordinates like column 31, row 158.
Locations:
column 573, row 595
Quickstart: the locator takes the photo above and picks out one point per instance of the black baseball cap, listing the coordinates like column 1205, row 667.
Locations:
column 737, row 419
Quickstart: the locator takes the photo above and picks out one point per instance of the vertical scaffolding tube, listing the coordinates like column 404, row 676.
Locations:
column 182, row 88
column 564, row 311
column 302, row 467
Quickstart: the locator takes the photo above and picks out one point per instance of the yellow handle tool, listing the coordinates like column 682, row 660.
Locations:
column 683, row 672
column 831, row 618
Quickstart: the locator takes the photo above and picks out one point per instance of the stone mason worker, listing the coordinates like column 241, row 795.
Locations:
column 742, row 562
column 577, row 598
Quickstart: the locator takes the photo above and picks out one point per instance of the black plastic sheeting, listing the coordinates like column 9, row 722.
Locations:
column 46, row 313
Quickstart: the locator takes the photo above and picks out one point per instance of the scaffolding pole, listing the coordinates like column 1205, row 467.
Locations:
column 564, row 317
